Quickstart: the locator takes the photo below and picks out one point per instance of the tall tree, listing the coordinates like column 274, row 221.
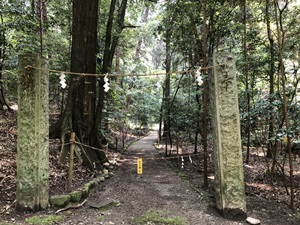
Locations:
column 111, row 42
column 281, row 73
column 167, row 118
column 86, row 95
column 80, row 112
column 272, row 147
column 246, row 69
column 205, row 96
column 3, row 45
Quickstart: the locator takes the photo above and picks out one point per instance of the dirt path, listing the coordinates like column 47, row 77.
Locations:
column 158, row 189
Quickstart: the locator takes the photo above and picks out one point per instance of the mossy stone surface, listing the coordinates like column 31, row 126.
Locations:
column 76, row 196
column 33, row 134
column 60, row 200
column 85, row 191
column 229, row 174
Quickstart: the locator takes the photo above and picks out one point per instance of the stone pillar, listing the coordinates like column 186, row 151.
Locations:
column 229, row 174
column 33, row 134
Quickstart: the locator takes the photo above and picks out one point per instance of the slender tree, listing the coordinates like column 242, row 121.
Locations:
column 167, row 109
column 205, row 96
column 281, row 41
column 246, row 69
column 3, row 45
column 111, row 42
column 272, row 147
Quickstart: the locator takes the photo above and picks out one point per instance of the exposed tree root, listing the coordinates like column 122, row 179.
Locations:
column 71, row 207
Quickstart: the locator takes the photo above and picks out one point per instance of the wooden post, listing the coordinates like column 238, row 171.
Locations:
column 116, row 144
column 33, row 134
column 72, row 148
column 177, row 152
column 166, row 148
column 123, row 140
column 229, row 174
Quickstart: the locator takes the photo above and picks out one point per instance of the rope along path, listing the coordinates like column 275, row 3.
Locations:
column 144, row 158
column 120, row 75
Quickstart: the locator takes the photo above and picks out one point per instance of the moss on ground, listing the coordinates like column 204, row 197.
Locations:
column 159, row 217
column 44, row 219
column 108, row 206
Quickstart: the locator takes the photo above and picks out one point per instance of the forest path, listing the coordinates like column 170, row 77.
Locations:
column 159, row 189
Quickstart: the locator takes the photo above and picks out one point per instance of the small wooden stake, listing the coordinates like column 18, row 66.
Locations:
column 177, row 152
column 72, row 147
column 123, row 141
column 116, row 144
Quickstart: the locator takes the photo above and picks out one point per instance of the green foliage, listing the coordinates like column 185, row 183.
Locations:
column 20, row 30
column 184, row 20
column 159, row 217
column 184, row 112
column 145, row 102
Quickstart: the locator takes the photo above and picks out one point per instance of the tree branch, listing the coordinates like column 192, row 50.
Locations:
column 71, row 207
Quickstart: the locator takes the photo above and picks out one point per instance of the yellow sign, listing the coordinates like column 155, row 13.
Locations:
column 139, row 166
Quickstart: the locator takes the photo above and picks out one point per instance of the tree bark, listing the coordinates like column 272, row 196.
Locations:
column 109, row 51
column 280, row 37
column 272, row 147
column 205, row 98
column 246, row 69
column 271, row 78
column 167, row 109
column 79, row 114
column 2, row 60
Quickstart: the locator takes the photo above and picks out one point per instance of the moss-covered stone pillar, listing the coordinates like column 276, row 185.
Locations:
column 229, row 175
column 33, row 133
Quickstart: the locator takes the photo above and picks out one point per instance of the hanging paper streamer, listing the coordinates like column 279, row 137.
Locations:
column 190, row 158
column 158, row 85
column 106, row 85
column 285, row 139
column 198, row 77
column 115, row 159
column 182, row 162
column 63, row 80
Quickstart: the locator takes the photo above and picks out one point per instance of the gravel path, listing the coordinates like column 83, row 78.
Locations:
column 157, row 189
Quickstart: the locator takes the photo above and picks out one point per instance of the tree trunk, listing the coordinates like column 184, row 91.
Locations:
column 205, row 97
column 2, row 60
column 196, row 61
column 109, row 51
column 167, row 119
column 80, row 111
column 280, row 37
column 271, row 147
column 246, row 69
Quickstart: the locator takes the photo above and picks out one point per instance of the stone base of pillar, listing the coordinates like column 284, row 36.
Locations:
column 233, row 214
